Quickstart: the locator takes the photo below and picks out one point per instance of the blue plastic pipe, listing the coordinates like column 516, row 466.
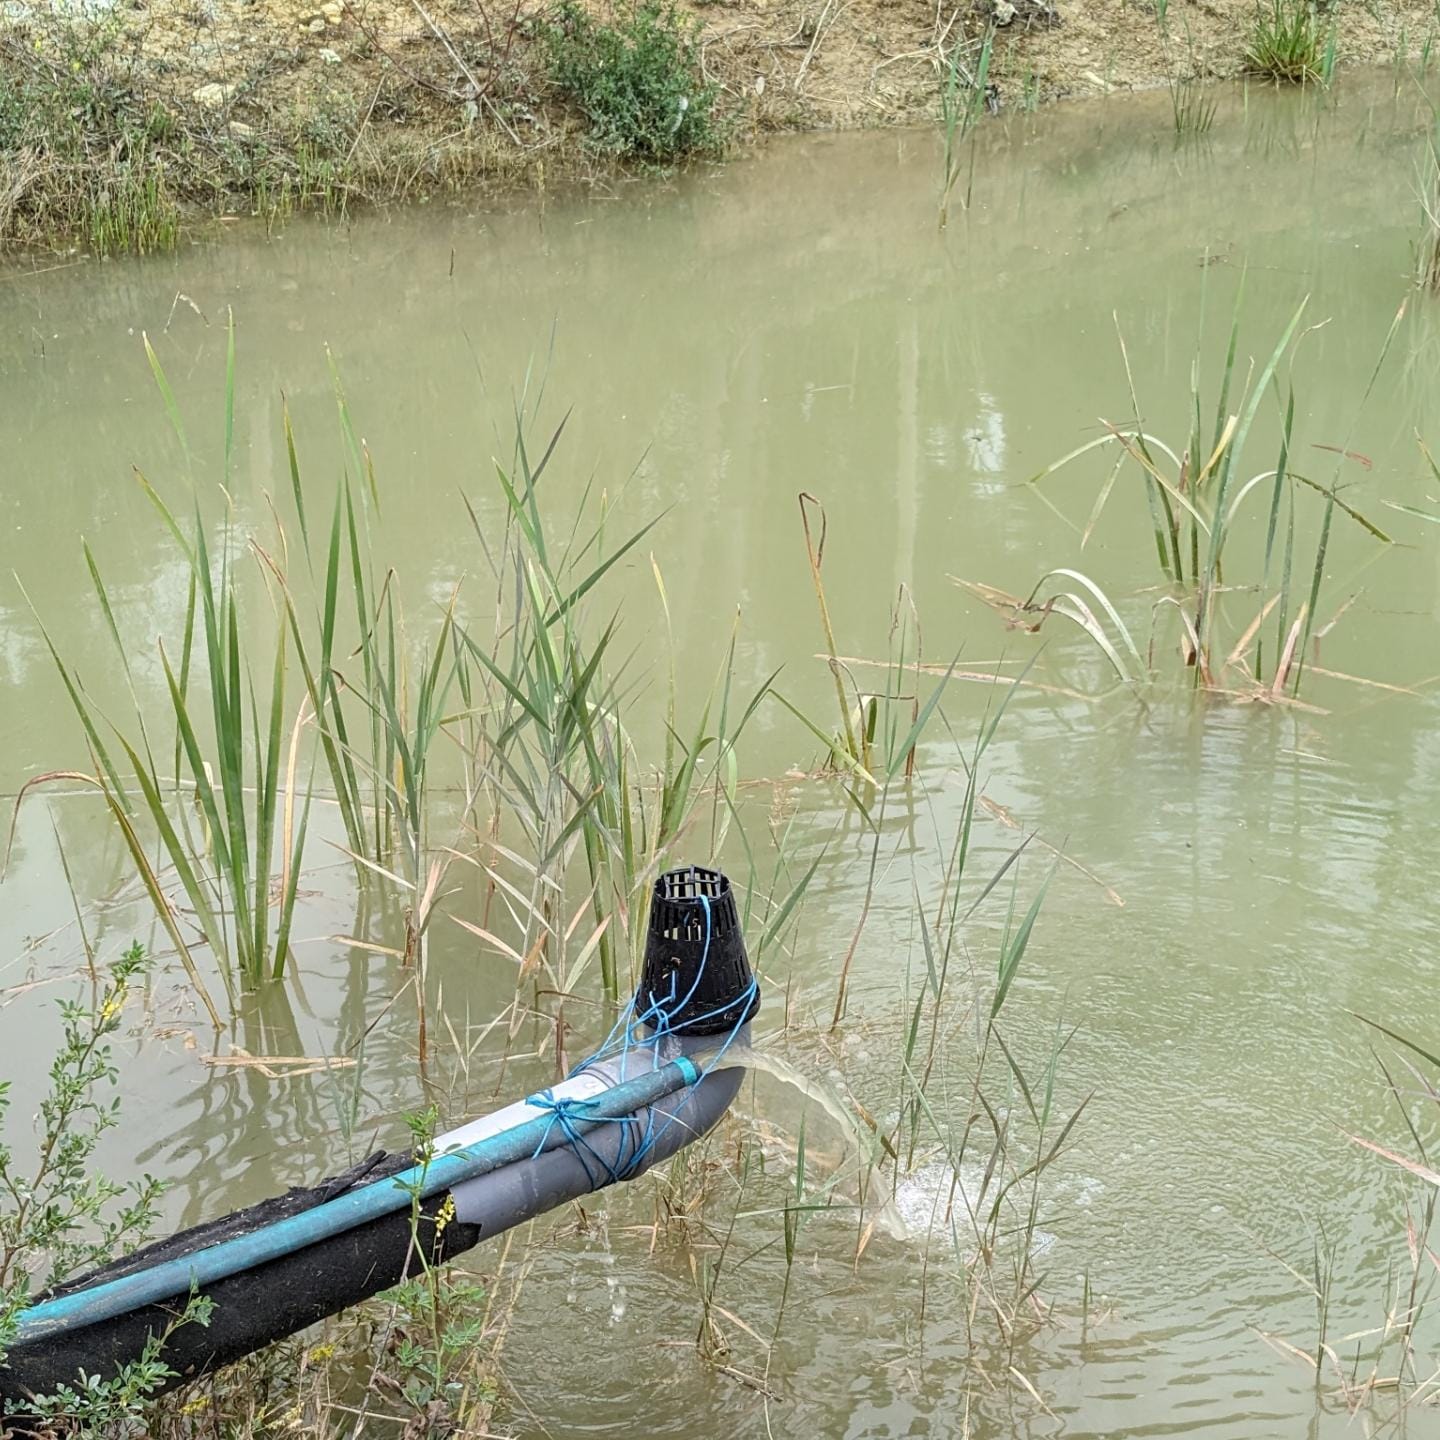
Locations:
column 186, row 1273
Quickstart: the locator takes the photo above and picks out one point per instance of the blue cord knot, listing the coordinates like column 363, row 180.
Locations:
column 567, row 1111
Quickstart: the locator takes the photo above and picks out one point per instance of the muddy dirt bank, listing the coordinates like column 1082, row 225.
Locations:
column 173, row 107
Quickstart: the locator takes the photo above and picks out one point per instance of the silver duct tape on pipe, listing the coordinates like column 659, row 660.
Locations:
column 516, row 1193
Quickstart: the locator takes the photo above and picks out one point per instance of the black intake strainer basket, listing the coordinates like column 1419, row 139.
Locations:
column 703, row 985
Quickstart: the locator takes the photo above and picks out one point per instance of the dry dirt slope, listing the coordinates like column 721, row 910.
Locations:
column 225, row 105
column 783, row 63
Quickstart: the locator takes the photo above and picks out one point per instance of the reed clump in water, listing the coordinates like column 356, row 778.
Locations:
column 1203, row 501
column 942, row 1138
column 298, row 680
column 1192, row 107
column 240, row 790
column 555, row 771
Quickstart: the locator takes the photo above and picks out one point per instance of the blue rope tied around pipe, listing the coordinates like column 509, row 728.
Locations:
column 565, row 1112
column 629, row 1031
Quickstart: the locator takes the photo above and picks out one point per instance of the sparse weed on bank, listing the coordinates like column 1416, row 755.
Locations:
column 99, row 149
column 82, row 150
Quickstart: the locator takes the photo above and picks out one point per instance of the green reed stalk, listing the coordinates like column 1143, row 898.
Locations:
column 556, row 754
column 1427, row 262
column 1279, row 490
column 1333, row 501
column 962, row 102
column 815, row 552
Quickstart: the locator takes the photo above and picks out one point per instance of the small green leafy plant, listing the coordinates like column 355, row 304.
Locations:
column 58, row 1215
column 437, row 1316
column 637, row 80
column 108, row 1408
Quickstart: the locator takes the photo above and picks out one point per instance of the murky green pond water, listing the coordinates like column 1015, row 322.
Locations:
column 794, row 321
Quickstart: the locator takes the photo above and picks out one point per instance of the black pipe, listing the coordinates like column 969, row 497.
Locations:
column 265, row 1304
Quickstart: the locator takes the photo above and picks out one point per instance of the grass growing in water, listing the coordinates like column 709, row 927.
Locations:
column 1199, row 497
column 565, row 825
column 533, row 709
column 1192, row 107
column 1427, row 250
column 221, row 844
column 1385, row 1372
column 556, row 759
column 878, row 729
column 963, row 95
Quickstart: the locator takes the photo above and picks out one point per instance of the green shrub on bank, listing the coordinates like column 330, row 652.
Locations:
column 637, row 79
